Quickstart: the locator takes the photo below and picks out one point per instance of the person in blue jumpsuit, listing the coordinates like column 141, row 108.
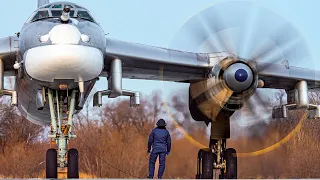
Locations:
column 160, row 142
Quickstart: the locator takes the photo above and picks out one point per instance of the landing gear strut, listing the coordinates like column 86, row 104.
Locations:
column 217, row 161
column 63, row 106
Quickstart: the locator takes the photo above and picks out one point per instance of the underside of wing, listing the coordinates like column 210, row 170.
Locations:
column 8, row 53
column 279, row 76
column 154, row 63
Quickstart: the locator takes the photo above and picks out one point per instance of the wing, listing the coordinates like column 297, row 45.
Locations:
column 155, row 63
column 281, row 76
column 8, row 53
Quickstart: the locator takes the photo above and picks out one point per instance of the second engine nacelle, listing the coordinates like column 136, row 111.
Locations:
column 228, row 85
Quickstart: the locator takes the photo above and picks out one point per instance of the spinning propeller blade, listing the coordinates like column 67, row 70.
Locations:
column 247, row 31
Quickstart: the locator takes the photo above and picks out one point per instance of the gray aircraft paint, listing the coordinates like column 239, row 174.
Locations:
column 29, row 38
column 42, row 2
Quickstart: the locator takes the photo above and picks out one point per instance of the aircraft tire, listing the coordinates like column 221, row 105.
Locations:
column 206, row 159
column 51, row 164
column 73, row 164
column 231, row 164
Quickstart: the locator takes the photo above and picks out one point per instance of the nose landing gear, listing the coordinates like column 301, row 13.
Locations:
column 217, row 161
column 60, row 134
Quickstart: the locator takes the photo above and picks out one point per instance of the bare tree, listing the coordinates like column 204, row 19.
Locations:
column 16, row 129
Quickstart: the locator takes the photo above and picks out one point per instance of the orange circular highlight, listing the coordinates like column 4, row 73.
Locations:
column 248, row 154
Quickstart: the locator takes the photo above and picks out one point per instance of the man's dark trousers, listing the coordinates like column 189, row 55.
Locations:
column 152, row 161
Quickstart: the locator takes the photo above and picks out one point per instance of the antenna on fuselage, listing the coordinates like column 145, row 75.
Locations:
column 42, row 2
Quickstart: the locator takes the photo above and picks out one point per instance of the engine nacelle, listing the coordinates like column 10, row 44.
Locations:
column 228, row 85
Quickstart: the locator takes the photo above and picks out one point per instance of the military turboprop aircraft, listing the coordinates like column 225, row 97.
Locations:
column 61, row 51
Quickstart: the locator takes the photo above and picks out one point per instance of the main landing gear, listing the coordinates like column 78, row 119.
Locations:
column 217, row 161
column 62, row 105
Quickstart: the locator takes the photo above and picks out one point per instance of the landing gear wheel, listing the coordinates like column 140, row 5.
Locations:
column 230, row 157
column 73, row 166
column 51, row 164
column 205, row 164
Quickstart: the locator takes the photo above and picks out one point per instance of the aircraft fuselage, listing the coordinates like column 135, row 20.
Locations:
column 54, row 54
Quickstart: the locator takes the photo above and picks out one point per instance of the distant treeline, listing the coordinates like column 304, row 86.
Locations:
column 114, row 143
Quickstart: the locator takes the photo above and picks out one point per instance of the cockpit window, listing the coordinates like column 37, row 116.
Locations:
column 68, row 5
column 40, row 15
column 71, row 13
column 57, row 6
column 85, row 15
column 58, row 13
column 55, row 11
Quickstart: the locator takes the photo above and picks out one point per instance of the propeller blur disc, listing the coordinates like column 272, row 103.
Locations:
column 249, row 32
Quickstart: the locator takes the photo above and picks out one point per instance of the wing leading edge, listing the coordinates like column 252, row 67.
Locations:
column 280, row 76
column 155, row 63
column 9, row 47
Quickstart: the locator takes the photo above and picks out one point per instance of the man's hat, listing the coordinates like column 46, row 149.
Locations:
column 161, row 122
